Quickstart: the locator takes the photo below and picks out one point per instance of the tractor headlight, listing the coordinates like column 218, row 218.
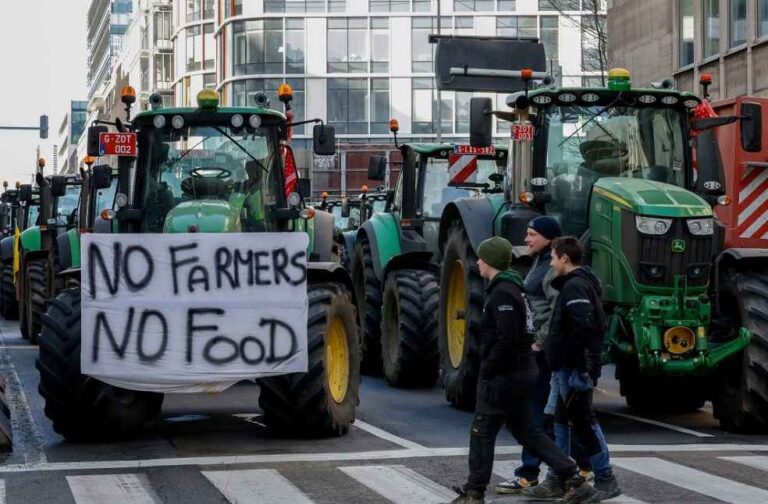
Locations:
column 652, row 225
column 701, row 227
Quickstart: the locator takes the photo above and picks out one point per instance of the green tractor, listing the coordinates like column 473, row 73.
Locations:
column 38, row 248
column 24, row 214
column 615, row 166
column 239, row 183
column 394, row 263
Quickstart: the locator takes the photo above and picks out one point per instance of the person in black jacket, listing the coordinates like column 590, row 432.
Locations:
column 507, row 373
column 577, row 331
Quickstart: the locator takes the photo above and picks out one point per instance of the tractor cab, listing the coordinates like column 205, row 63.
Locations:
column 9, row 207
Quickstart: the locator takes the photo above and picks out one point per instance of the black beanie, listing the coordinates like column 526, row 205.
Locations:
column 546, row 226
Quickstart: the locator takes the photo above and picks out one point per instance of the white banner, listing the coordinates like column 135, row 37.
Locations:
column 193, row 312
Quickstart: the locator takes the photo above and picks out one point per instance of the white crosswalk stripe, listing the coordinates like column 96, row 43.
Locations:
column 694, row 480
column 256, row 486
column 756, row 461
column 122, row 488
column 399, row 484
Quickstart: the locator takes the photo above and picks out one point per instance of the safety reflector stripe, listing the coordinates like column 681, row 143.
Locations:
column 755, row 226
column 753, row 184
column 694, row 480
column 400, row 485
column 122, row 488
column 462, row 167
column 256, row 486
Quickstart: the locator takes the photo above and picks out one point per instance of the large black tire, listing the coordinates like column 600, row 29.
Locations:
column 82, row 408
column 740, row 401
column 661, row 395
column 36, row 290
column 368, row 295
column 409, row 349
column 10, row 307
column 20, row 285
column 461, row 286
column 303, row 404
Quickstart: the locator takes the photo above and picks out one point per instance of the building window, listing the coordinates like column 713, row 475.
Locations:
column 738, row 22
column 389, row 5
column 348, row 105
column 422, row 5
column 506, row 5
column 548, row 34
column 210, row 46
column 294, row 5
column 380, row 113
column 347, row 48
column 163, row 26
column 517, row 26
column 194, row 49
column 199, row 9
column 473, row 6
column 260, row 49
column 209, row 80
column 379, row 45
column 685, row 29
column 711, row 27
column 245, row 90
column 163, row 71
column 762, row 18
column 563, row 5
column 424, row 105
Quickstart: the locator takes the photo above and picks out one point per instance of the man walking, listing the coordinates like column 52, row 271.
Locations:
column 507, row 373
column 576, row 335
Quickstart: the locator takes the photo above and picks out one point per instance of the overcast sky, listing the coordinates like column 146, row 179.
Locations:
column 43, row 63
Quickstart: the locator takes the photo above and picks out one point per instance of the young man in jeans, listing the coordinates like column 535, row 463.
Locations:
column 507, row 373
column 577, row 331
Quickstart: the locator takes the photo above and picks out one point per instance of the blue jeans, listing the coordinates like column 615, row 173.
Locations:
column 574, row 413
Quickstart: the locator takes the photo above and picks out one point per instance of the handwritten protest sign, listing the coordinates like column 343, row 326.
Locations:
column 191, row 312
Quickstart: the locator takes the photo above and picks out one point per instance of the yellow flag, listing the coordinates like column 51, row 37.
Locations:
column 16, row 241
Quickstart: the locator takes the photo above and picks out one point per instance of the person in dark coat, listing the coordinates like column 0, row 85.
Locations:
column 508, row 371
column 577, row 332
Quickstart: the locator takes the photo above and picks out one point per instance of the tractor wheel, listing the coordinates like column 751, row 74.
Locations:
column 20, row 285
column 368, row 294
column 36, row 289
column 10, row 307
column 741, row 397
column 659, row 395
column 461, row 309
column 80, row 407
column 322, row 401
column 409, row 349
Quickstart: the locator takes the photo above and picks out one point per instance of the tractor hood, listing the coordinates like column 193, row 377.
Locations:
column 647, row 197
column 204, row 216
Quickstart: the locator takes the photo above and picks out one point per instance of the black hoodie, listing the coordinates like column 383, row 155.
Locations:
column 577, row 329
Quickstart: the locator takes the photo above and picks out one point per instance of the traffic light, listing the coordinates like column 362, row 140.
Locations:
column 43, row 126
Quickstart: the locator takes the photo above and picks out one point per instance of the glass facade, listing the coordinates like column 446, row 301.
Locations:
column 762, row 18
column 79, row 115
column 685, row 32
column 359, row 106
column 738, row 22
column 711, row 27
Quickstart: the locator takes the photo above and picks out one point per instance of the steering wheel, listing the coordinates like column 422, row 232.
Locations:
column 221, row 173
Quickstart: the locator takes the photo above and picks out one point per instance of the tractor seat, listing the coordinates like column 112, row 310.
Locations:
column 204, row 187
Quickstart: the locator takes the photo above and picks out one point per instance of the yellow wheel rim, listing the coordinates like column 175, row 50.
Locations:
column 456, row 322
column 337, row 359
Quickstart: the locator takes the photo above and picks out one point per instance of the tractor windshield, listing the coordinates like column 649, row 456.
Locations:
column 208, row 163
column 105, row 198
column 585, row 143
column 437, row 192
column 67, row 205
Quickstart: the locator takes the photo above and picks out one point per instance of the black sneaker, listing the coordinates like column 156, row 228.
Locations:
column 550, row 488
column 607, row 488
column 578, row 491
column 468, row 496
column 515, row 485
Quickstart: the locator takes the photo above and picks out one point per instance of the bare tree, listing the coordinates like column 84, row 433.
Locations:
column 593, row 29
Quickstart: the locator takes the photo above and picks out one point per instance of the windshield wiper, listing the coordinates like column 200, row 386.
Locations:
column 600, row 112
column 241, row 148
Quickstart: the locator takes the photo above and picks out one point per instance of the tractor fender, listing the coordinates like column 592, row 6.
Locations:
column 383, row 234
column 31, row 239
column 6, row 248
column 64, row 249
column 348, row 240
column 737, row 259
column 73, row 272
column 411, row 260
column 322, row 244
column 320, row 272
column 477, row 215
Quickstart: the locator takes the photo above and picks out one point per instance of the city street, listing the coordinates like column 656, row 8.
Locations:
column 407, row 446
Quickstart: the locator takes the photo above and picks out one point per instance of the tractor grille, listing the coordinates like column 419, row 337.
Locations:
column 654, row 261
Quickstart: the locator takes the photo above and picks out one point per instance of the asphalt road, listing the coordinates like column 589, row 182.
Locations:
column 407, row 447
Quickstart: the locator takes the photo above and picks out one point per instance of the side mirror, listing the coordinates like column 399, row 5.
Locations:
column 710, row 177
column 324, row 140
column 480, row 122
column 58, row 186
column 751, row 127
column 305, row 187
column 25, row 193
column 93, row 139
column 377, row 168
column 345, row 207
column 101, row 176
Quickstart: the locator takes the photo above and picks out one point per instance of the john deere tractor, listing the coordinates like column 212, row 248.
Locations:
column 237, row 179
column 394, row 263
column 615, row 166
column 27, row 212
column 38, row 255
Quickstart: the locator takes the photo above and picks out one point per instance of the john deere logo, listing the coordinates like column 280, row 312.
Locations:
column 678, row 246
